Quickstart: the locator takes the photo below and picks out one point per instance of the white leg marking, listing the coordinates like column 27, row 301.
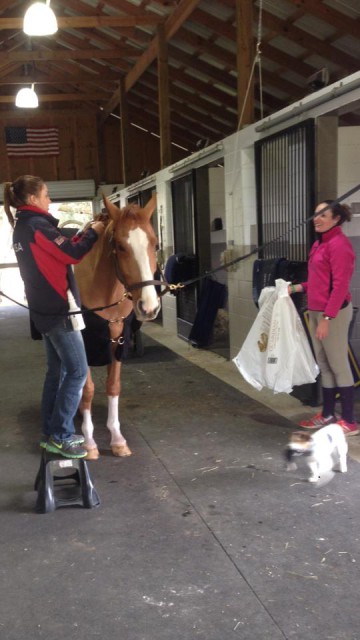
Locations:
column 113, row 422
column 87, row 428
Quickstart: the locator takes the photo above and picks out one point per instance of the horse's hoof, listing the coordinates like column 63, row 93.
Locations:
column 121, row 450
column 92, row 454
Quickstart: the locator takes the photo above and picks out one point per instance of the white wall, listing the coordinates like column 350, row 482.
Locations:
column 349, row 162
column 240, row 193
column 349, row 177
column 164, row 207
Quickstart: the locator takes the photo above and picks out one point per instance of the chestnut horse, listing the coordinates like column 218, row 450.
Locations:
column 118, row 269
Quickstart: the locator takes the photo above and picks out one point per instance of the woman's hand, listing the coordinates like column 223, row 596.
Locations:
column 98, row 227
column 294, row 288
column 322, row 330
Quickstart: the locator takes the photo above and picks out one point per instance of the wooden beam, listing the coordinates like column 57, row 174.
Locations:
column 163, row 100
column 150, row 123
column 341, row 22
column 111, row 105
column 223, row 76
column 172, row 25
column 64, row 54
column 59, row 78
column 310, row 43
column 286, row 61
column 89, row 22
column 124, row 134
column 61, row 97
column 245, row 60
column 184, row 113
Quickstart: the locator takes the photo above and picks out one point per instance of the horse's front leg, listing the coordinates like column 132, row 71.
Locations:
column 113, row 388
column 87, row 426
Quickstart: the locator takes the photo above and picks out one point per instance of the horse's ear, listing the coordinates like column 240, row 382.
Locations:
column 150, row 206
column 111, row 208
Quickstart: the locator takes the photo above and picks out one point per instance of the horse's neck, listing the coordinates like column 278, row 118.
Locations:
column 98, row 283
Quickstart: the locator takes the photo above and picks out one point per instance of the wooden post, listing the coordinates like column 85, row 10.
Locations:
column 124, row 133
column 164, row 104
column 100, row 148
column 75, row 138
column 245, row 58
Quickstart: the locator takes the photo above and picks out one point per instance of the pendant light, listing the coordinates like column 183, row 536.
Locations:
column 40, row 20
column 27, row 98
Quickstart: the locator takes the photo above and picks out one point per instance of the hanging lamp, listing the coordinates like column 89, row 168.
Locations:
column 27, row 98
column 40, row 20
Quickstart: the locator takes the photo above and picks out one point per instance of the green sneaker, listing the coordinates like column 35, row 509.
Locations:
column 75, row 438
column 66, row 448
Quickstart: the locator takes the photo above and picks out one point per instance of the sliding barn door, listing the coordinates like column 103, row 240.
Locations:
column 182, row 191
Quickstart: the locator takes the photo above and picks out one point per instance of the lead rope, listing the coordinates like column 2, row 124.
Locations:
column 181, row 285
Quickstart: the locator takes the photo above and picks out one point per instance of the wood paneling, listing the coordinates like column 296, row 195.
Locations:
column 88, row 150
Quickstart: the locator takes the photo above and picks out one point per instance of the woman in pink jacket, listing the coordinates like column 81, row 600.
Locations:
column 330, row 269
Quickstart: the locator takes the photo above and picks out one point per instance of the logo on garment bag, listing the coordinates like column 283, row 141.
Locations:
column 59, row 240
column 263, row 342
column 17, row 247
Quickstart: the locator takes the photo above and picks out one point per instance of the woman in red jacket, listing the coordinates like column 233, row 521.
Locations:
column 330, row 269
column 45, row 257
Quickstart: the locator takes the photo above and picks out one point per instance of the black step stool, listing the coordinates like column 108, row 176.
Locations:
column 62, row 482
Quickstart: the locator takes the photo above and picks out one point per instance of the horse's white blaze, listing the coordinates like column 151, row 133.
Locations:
column 139, row 243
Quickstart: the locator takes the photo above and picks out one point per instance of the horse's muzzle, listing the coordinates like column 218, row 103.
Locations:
column 146, row 315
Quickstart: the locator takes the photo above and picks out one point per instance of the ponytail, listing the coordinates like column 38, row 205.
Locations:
column 16, row 193
column 341, row 210
column 8, row 202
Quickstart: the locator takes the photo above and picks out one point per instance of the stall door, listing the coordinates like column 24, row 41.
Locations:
column 182, row 190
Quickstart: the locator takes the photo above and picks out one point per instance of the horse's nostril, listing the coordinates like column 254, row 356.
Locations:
column 147, row 313
column 140, row 307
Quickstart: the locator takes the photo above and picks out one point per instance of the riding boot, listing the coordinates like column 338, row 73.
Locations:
column 329, row 399
column 347, row 403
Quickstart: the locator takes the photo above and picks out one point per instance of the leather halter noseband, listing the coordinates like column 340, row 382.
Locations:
column 137, row 285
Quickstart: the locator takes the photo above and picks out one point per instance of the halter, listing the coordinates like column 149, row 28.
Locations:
column 143, row 283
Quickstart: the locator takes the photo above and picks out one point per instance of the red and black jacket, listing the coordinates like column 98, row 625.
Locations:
column 45, row 258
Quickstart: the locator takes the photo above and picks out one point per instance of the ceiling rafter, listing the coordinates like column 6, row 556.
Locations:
column 88, row 22
column 99, row 45
column 339, row 21
column 64, row 54
column 309, row 42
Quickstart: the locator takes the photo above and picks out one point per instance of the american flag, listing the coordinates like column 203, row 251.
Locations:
column 22, row 142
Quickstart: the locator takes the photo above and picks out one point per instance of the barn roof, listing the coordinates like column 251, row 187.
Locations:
column 102, row 46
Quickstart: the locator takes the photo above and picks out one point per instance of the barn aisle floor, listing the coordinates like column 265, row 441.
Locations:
column 200, row 534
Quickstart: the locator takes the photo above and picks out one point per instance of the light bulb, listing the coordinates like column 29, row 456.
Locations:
column 26, row 98
column 40, row 20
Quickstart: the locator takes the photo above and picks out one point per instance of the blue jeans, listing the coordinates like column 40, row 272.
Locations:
column 65, row 377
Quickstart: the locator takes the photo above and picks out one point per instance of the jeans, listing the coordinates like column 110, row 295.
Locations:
column 65, row 377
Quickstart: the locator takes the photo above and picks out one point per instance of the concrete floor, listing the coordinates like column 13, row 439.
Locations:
column 200, row 534
column 285, row 405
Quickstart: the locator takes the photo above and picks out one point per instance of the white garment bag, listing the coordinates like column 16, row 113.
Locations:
column 276, row 352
